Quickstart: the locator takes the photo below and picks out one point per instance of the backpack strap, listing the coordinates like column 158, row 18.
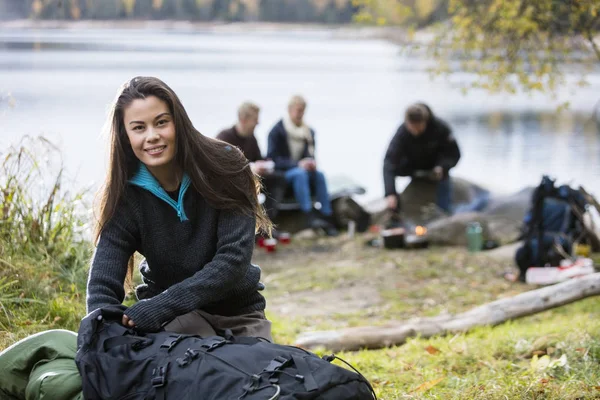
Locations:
column 275, row 366
column 303, row 369
column 331, row 357
column 249, row 340
column 159, row 374
column 159, row 380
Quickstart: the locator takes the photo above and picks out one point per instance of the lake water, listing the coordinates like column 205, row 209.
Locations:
column 62, row 81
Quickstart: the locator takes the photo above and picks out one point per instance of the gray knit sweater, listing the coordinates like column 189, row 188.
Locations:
column 200, row 260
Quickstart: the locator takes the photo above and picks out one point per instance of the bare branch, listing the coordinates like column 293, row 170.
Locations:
column 590, row 37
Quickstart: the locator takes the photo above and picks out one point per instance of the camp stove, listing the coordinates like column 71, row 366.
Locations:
column 407, row 236
column 417, row 237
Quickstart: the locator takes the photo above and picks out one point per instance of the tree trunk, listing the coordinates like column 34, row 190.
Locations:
column 494, row 313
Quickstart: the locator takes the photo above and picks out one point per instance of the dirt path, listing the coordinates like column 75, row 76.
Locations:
column 345, row 281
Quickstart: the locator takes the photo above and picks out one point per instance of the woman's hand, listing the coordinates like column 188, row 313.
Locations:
column 126, row 322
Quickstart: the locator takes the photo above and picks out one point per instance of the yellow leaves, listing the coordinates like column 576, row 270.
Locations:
column 506, row 43
column 424, row 8
column 363, row 18
column 544, row 364
column 378, row 382
column 399, row 13
column 361, row 3
column 537, row 86
column 392, row 12
column 563, row 107
column 427, row 385
column 462, row 22
column 454, row 6
column 495, row 6
column 432, row 350
column 544, row 69
column 157, row 4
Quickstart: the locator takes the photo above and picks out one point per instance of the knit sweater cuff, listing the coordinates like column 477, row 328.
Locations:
column 146, row 316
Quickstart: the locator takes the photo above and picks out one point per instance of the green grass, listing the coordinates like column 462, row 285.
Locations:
column 331, row 284
column 488, row 363
column 495, row 363
column 521, row 359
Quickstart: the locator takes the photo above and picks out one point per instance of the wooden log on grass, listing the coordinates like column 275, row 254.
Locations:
column 497, row 312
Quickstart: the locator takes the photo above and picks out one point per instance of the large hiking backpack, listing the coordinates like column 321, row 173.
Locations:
column 118, row 363
column 552, row 225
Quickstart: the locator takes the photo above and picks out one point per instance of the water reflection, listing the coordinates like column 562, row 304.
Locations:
column 525, row 145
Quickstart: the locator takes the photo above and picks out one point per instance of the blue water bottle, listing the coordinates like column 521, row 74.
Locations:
column 474, row 237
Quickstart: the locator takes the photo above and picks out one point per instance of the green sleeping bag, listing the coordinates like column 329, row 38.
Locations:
column 41, row 367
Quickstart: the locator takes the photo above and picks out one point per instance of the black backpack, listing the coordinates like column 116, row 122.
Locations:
column 552, row 225
column 121, row 364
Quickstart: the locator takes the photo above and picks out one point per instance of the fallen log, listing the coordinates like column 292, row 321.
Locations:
column 497, row 312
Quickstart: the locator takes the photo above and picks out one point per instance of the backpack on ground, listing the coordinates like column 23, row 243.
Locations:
column 554, row 223
column 121, row 364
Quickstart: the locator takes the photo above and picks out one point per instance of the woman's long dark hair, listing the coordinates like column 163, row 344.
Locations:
column 218, row 171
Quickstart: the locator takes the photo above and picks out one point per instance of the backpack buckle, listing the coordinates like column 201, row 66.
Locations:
column 159, row 376
column 253, row 385
column 159, row 381
column 171, row 341
column 213, row 343
column 276, row 363
column 189, row 356
column 274, row 366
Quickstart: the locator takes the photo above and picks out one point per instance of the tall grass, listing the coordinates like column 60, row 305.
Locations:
column 44, row 251
column 37, row 211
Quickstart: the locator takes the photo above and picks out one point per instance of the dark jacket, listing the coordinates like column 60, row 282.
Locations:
column 197, row 257
column 279, row 150
column 247, row 144
column 407, row 153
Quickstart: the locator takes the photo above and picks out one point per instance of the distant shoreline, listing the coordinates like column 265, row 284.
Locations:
column 340, row 31
column 160, row 24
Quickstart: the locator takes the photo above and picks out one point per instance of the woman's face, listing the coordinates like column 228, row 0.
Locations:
column 151, row 132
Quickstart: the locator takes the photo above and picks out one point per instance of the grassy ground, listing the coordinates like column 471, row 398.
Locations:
column 327, row 285
column 336, row 283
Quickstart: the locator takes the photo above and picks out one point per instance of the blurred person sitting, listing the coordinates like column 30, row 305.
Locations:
column 423, row 147
column 242, row 136
column 291, row 146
